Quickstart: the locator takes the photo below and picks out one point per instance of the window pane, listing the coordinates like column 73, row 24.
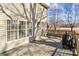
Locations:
column 22, row 29
column 29, row 28
column 20, row 23
column 15, row 34
column 15, row 24
column 8, row 22
column 24, row 34
column 24, row 23
column 8, row 35
column 8, row 27
column 12, row 30
column 29, row 32
column 11, row 35
column 12, row 27
column 20, row 33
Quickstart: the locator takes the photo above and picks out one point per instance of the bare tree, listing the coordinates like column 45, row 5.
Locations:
column 28, row 14
column 55, row 19
column 71, row 20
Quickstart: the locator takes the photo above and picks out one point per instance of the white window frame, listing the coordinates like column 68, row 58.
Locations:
column 16, row 30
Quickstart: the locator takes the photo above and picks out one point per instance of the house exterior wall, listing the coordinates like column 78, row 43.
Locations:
column 7, row 45
column 4, row 44
column 2, row 34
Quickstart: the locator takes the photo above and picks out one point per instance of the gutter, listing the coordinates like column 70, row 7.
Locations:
column 44, row 5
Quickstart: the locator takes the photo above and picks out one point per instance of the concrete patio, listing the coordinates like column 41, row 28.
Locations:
column 48, row 47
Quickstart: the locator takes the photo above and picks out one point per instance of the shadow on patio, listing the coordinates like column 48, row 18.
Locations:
column 56, row 45
column 52, row 44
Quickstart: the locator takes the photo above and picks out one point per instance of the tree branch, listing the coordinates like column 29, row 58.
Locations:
column 14, row 12
column 41, row 17
column 23, row 5
column 5, row 12
column 40, row 21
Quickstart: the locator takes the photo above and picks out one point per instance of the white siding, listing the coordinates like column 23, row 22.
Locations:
column 2, row 35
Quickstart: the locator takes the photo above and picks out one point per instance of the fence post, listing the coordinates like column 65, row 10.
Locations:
column 76, row 39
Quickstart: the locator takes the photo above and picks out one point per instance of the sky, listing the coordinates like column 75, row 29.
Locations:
column 62, row 9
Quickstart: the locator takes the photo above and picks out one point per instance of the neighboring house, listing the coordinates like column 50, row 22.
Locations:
column 15, row 32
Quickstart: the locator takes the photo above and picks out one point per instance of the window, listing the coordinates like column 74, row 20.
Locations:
column 22, row 30
column 29, row 28
column 15, row 29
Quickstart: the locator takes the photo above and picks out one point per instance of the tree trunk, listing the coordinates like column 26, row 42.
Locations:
column 71, row 28
column 33, row 30
column 33, row 21
column 54, row 27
